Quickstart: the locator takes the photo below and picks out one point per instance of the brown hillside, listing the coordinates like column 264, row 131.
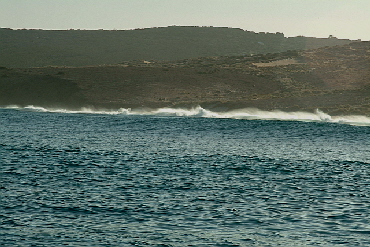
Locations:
column 39, row 48
column 333, row 79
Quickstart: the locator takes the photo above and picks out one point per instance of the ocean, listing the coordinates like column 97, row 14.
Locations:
column 183, row 177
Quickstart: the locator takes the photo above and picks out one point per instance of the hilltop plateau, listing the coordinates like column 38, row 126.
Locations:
column 38, row 48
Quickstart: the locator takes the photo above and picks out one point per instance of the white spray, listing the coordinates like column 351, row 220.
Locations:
column 246, row 113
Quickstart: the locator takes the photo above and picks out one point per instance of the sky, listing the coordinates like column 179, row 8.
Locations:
column 313, row 18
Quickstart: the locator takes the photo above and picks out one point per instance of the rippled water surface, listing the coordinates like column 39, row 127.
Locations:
column 119, row 180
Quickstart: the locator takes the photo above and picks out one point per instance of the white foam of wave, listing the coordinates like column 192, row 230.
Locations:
column 85, row 110
column 246, row 113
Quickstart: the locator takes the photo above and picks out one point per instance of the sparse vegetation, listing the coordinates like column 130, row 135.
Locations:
column 331, row 78
column 39, row 48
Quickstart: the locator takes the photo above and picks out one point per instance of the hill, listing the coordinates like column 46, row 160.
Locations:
column 39, row 48
column 334, row 79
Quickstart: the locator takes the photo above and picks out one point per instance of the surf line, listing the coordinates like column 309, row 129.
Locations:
column 198, row 111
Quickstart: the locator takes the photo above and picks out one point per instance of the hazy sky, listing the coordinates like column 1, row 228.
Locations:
column 317, row 18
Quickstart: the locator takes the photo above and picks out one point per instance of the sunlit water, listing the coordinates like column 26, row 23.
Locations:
column 160, row 179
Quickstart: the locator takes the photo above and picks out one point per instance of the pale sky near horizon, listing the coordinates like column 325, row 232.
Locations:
column 314, row 18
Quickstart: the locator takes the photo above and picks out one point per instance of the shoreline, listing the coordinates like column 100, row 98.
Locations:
column 332, row 79
column 317, row 116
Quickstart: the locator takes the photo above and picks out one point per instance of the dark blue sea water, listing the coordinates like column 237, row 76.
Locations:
column 148, row 180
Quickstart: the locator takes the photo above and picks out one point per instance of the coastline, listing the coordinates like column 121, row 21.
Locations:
column 333, row 79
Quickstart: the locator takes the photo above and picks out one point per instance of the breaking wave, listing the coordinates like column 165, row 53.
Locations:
column 245, row 113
